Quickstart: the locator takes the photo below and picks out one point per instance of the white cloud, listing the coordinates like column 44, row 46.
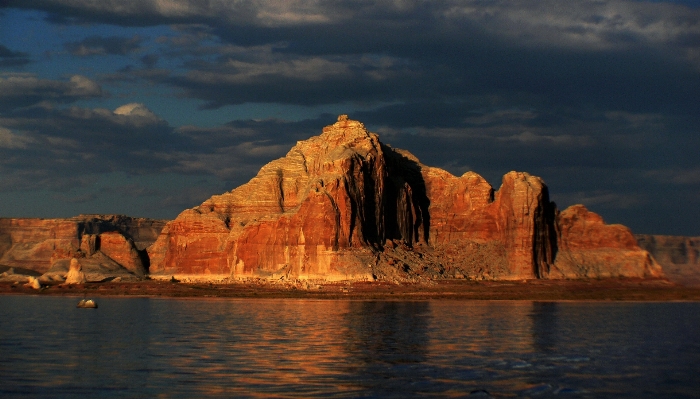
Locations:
column 136, row 109
column 136, row 114
column 592, row 24
column 81, row 86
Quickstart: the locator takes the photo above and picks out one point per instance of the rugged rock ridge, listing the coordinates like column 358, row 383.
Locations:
column 104, row 245
column 343, row 205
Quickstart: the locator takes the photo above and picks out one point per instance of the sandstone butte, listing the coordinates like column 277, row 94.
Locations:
column 344, row 206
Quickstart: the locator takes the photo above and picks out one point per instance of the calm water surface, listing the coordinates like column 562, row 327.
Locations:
column 144, row 347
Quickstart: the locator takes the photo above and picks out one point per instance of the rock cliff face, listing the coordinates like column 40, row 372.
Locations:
column 679, row 256
column 102, row 244
column 343, row 205
column 590, row 248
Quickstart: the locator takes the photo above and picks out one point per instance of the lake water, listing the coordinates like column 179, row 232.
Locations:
column 144, row 347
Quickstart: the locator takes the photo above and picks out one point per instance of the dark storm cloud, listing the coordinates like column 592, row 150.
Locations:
column 235, row 151
column 19, row 90
column 9, row 58
column 631, row 55
column 96, row 45
column 154, row 12
column 46, row 147
column 306, row 81
column 149, row 60
column 69, row 143
column 616, row 163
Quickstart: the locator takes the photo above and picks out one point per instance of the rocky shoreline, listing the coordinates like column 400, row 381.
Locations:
column 536, row 290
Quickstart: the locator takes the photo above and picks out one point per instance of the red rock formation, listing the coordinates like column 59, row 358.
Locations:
column 291, row 219
column 519, row 216
column 33, row 243
column 40, row 244
column 194, row 243
column 590, row 248
column 121, row 250
column 342, row 205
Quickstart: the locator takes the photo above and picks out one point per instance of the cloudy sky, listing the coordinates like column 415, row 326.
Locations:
column 148, row 107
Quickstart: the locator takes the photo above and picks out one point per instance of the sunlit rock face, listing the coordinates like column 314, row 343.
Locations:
column 343, row 205
column 75, row 273
column 33, row 244
column 316, row 213
column 590, row 248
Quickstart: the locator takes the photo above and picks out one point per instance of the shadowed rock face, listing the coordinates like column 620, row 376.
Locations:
column 519, row 217
column 679, row 256
column 343, row 205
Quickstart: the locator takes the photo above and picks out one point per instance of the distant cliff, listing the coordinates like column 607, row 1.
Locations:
column 105, row 245
column 343, row 205
column 679, row 256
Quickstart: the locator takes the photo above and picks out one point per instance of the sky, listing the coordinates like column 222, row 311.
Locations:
column 149, row 107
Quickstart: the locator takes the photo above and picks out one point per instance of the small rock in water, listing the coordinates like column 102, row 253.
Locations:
column 87, row 303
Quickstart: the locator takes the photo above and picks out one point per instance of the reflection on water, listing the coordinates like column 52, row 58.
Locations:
column 387, row 332
column 544, row 326
column 140, row 347
column 386, row 345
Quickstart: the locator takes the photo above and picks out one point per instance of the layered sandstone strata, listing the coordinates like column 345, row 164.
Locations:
column 587, row 247
column 104, row 245
column 343, row 205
